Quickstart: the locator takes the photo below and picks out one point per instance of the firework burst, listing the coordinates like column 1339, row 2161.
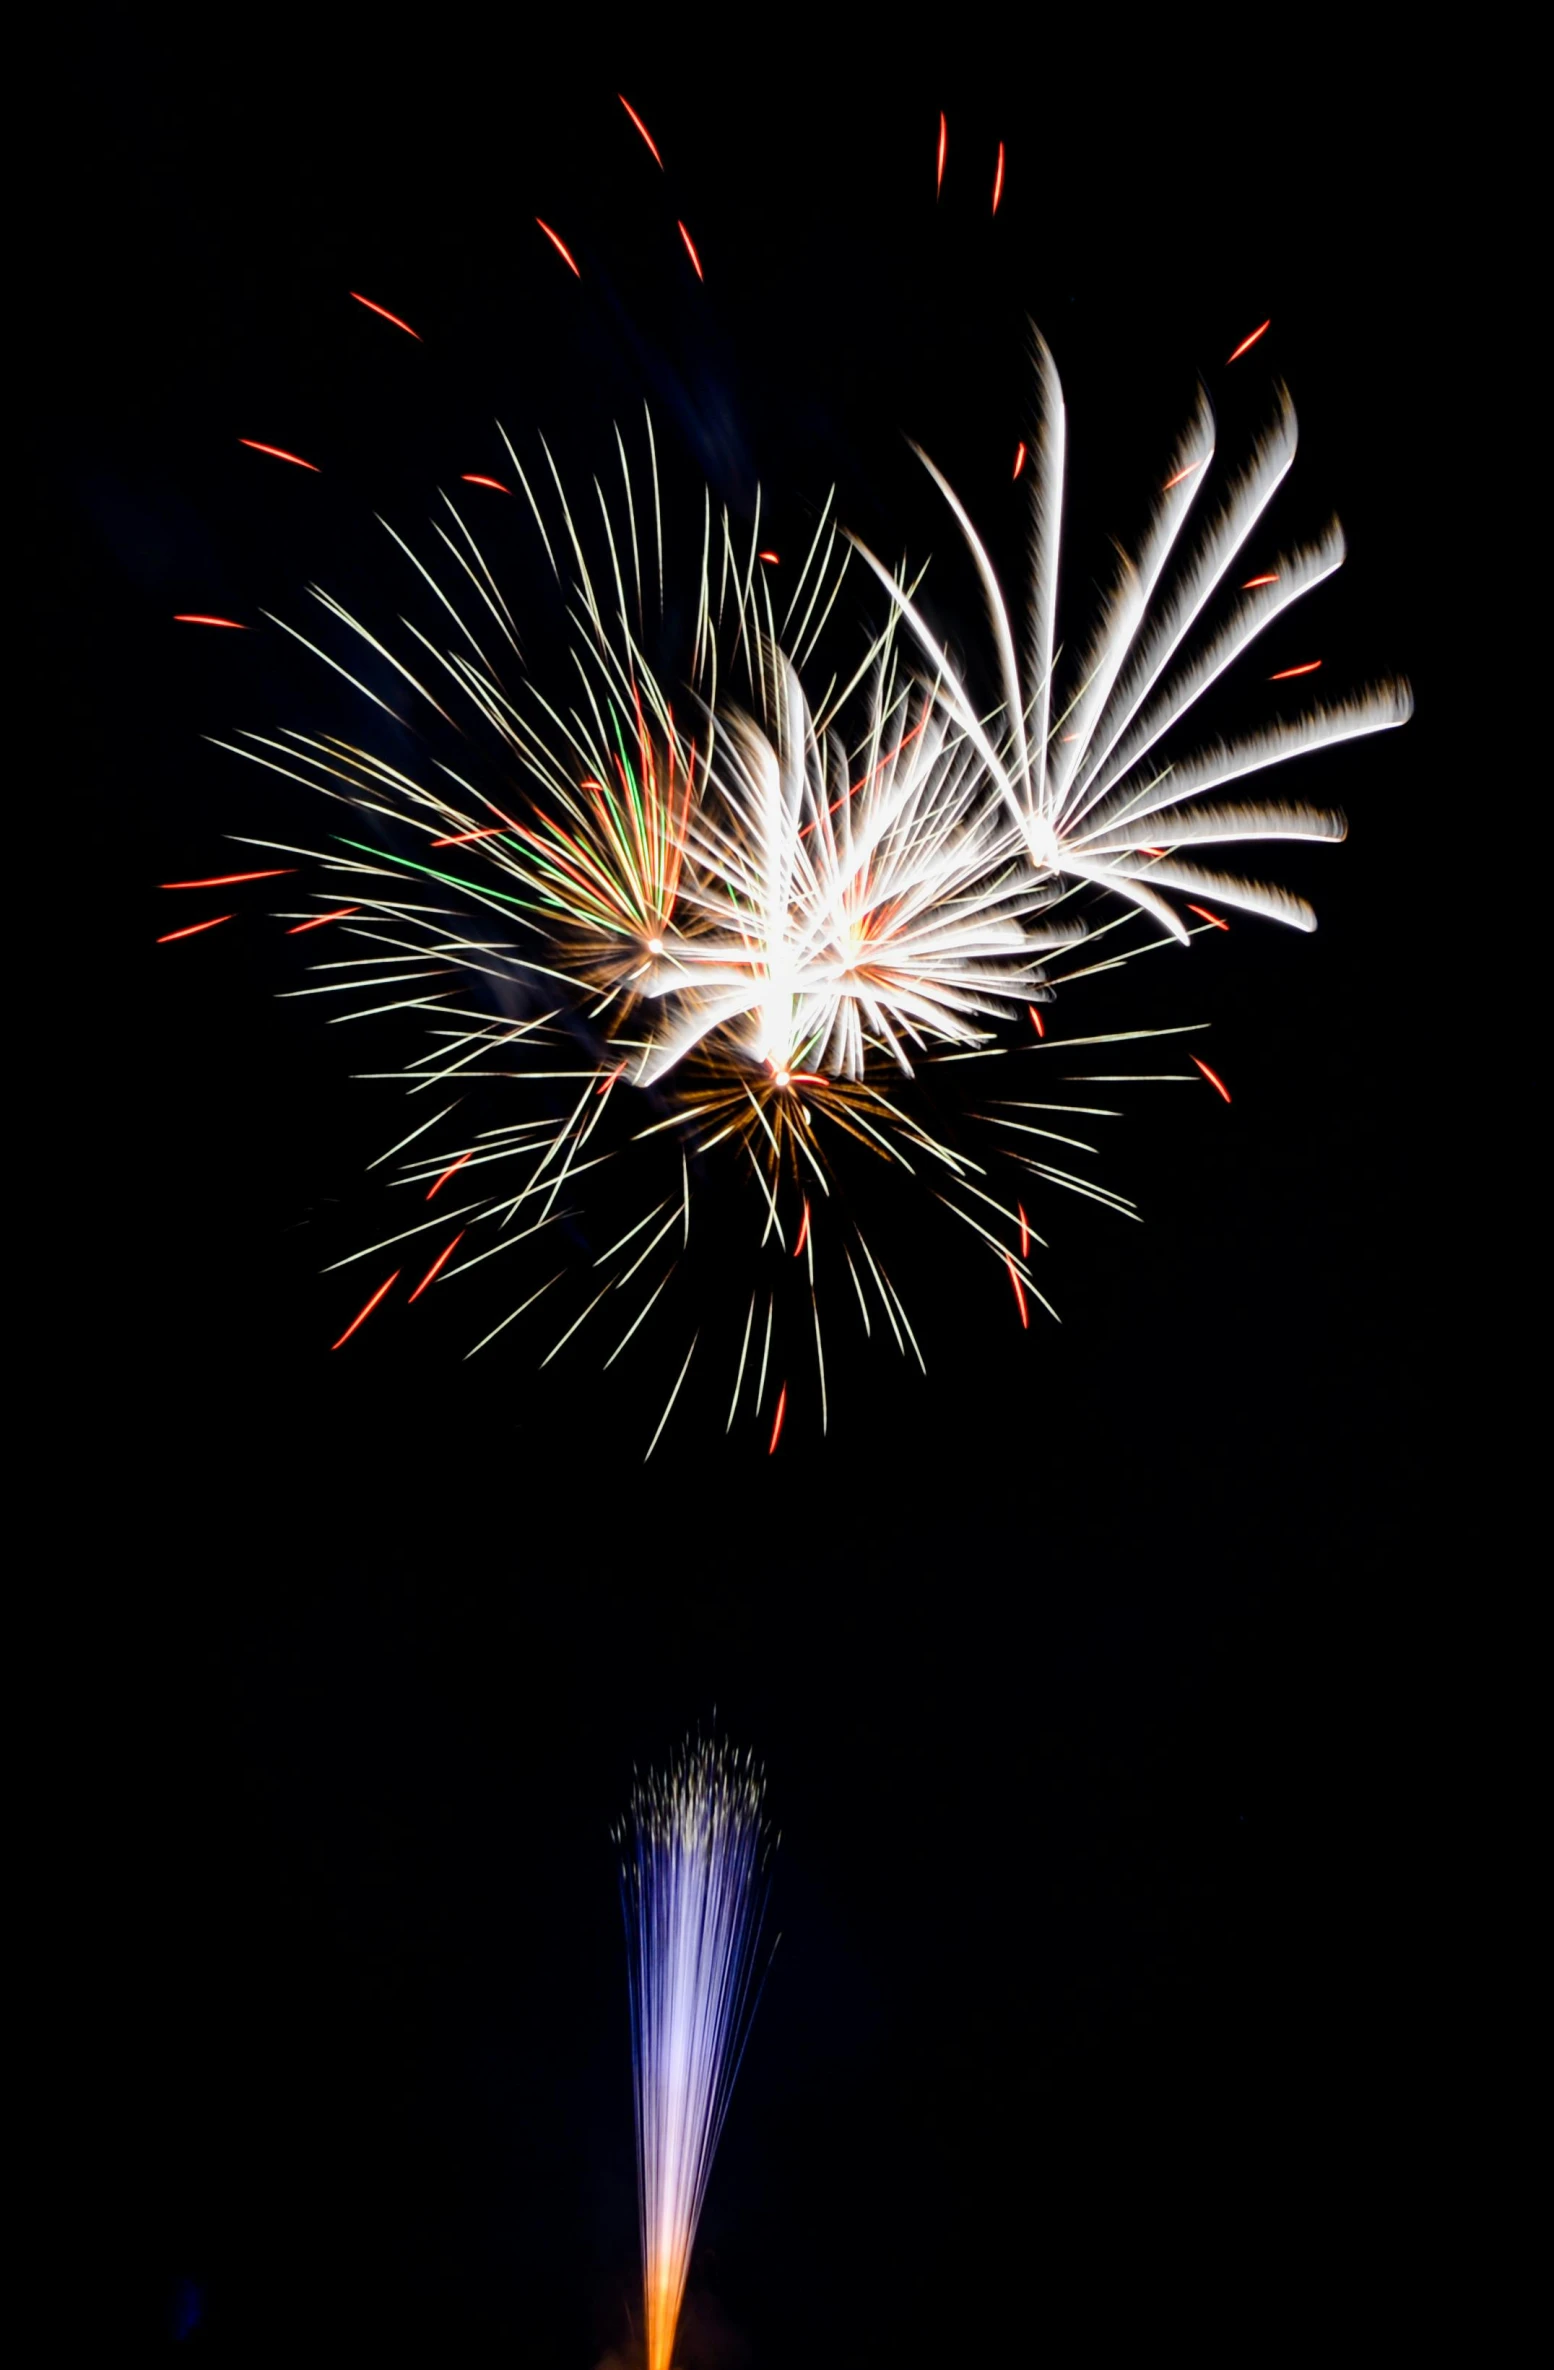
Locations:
column 1080, row 785
column 710, row 925
column 695, row 1850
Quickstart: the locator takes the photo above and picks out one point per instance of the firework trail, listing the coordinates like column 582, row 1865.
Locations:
column 693, row 1891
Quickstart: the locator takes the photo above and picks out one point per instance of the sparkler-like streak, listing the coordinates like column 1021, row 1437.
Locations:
column 695, row 1853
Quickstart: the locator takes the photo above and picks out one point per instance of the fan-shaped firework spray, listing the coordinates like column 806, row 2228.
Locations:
column 693, row 1889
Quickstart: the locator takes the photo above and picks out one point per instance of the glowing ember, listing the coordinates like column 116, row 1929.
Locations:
column 1247, row 342
column 194, row 928
column 436, row 1268
column 380, row 1293
column 564, row 252
column 451, row 1170
column 642, row 128
column 227, row 880
column 276, row 454
column 384, row 314
column 341, row 913
column 1019, row 1292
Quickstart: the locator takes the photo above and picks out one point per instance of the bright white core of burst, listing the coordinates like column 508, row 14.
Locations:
column 1042, row 841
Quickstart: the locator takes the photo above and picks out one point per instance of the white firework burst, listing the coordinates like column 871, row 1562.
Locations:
column 1080, row 785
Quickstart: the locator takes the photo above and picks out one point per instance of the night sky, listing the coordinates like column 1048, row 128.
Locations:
column 1076, row 1668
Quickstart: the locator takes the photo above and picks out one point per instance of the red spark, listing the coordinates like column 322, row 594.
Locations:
column 1025, row 1230
column 607, row 1083
column 229, row 880
column 494, row 483
column 435, row 1269
column 186, row 619
column 1217, row 1083
column 1204, row 915
column 1019, row 1290
column 276, row 454
column 690, row 249
column 366, row 1312
column 448, row 1172
column 1253, row 582
column 461, row 839
column 1285, row 673
column 560, row 249
column 782, row 1409
column 642, row 128
column 1019, row 458
column 1152, row 851
column 384, row 314
column 1181, row 473
column 944, row 136
column 1035, row 1020
column 193, row 930
column 1247, row 341
column 340, row 914
column 998, row 178
column 889, row 758
column 770, row 557
column 798, row 1248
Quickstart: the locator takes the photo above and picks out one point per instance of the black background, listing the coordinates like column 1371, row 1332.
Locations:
column 1086, row 1672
